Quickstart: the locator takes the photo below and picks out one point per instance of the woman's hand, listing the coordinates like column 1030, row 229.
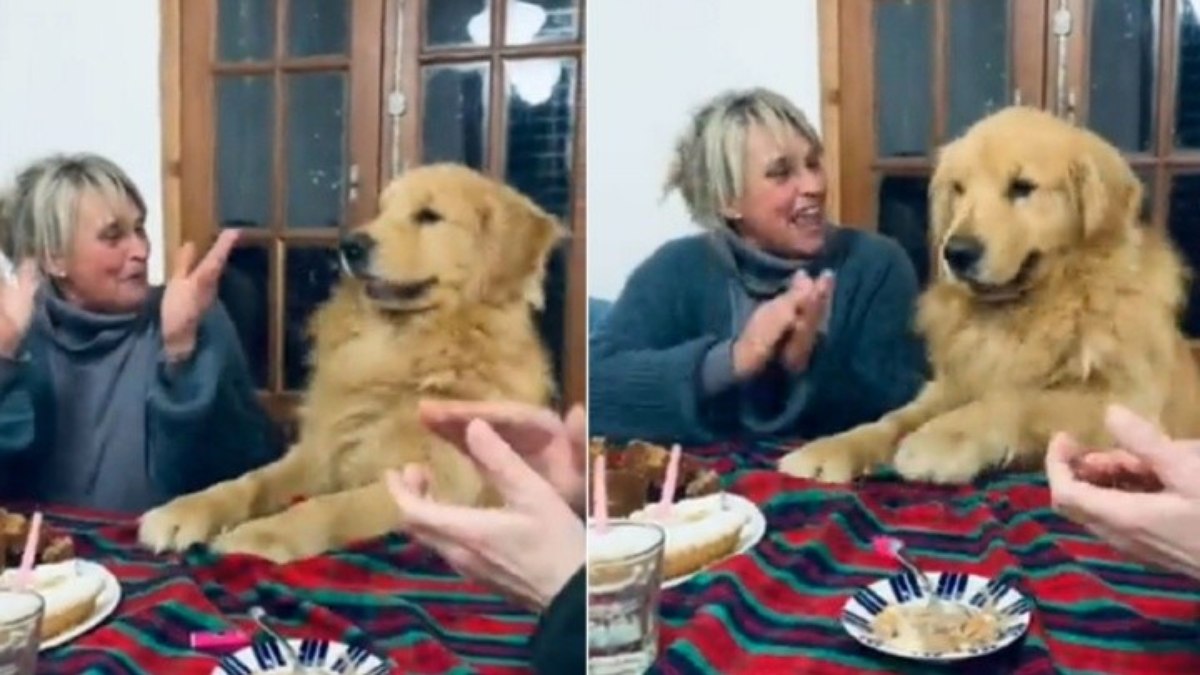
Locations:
column 555, row 448
column 760, row 341
column 190, row 293
column 16, row 307
column 1155, row 527
column 527, row 550
column 813, row 303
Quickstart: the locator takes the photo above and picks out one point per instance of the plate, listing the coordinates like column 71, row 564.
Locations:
column 952, row 587
column 752, row 532
column 106, row 603
column 266, row 656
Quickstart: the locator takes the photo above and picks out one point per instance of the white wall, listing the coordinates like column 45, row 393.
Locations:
column 649, row 65
column 82, row 75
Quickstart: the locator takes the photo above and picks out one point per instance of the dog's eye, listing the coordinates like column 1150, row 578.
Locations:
column 426, row 216
column 956, row 187
column 1020, row 188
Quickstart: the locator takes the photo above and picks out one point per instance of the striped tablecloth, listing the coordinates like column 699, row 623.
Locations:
column 392, row 597
column 776, row 609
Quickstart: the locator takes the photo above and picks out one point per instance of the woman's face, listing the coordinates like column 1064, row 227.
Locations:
column 105, row 270
column 782, row 206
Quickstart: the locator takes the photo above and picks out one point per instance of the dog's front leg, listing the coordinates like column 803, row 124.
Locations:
column 1001, row 430
column 197, row 517
column 316, row 525
column 842, row 457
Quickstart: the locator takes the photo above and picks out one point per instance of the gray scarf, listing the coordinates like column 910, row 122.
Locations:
column 102, row 367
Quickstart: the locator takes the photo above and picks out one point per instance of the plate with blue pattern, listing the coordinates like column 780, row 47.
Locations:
column 317, row 657
column 985, row 616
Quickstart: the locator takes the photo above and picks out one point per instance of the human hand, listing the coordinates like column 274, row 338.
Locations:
column 1155, row 527
column 16, row 307
column 760, row 340
column 527, row 550
column 190, row 293
column 553, row 447
column 812, row 305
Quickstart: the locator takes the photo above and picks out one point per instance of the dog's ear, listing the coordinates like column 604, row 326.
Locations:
column 522, row 236
column 1109, row 193
column 941, row 198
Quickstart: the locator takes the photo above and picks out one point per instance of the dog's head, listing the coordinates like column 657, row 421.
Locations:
column 1017, row 192
column 447, row 235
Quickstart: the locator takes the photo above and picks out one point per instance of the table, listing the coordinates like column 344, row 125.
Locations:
column 390, row 596
column 776, row 609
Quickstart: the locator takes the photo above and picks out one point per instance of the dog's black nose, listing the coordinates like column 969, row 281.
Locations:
column 962, row 253
column 356, row 250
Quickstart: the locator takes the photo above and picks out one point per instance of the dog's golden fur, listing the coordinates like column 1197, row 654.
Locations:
column 1073, row 305
column 388, row 337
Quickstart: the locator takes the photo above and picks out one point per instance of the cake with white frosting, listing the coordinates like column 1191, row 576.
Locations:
column 699, row 531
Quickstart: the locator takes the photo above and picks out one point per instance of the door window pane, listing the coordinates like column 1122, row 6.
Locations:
column 311, row 274
column 978, row 65
column 318, row 27
column 244, row 131
column 455, row 121
column 903, row 71
column 1185, row 230
column 458, row 23
column 1121, row 66
column 904, row 216
column 531, row 21
column 541, row 126
column 316, row 150
column 246, row 30
column 1187, row 108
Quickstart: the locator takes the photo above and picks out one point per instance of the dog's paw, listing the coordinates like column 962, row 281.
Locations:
column 940, row 454
column 265, row 539
column 182, row 522
column 837, row 459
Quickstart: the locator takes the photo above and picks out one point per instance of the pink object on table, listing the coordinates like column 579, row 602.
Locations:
column 29, row 555
column 226, row 640
column 888, row 547
column 671, row 480
column 600, row 495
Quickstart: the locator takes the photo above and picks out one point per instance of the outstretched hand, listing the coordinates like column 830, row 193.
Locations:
column 16, row 307
column 190, row 292
column 1157, row 527
column 527, row 550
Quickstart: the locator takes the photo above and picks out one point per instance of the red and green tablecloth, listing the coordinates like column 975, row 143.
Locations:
column 776, row 609
column 391, row 596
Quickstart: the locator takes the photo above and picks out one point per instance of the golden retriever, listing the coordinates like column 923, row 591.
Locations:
column 436, row 302
column 1051, row 301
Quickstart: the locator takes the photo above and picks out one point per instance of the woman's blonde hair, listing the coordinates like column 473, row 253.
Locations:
column 38, row 213
column 707, row 166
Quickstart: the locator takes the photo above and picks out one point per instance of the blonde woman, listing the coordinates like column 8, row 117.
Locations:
column 114, row 394
column 771, row 322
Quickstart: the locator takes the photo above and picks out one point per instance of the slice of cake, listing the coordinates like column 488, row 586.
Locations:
column 699, row 531
column 53, row 545
column 636, row 473
column 69, row 595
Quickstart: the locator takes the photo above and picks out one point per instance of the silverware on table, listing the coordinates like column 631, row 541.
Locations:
column 260, row 617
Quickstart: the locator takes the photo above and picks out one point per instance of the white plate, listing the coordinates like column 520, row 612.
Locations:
column 962, row 589
column 106, row 603
column 266, row 656
column 752, row 532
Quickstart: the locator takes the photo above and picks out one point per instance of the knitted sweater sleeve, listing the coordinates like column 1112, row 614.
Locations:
column 645, row 360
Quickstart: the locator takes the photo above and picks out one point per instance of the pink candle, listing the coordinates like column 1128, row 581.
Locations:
column 600, row 495
column 25, row 573
column 672, row 478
